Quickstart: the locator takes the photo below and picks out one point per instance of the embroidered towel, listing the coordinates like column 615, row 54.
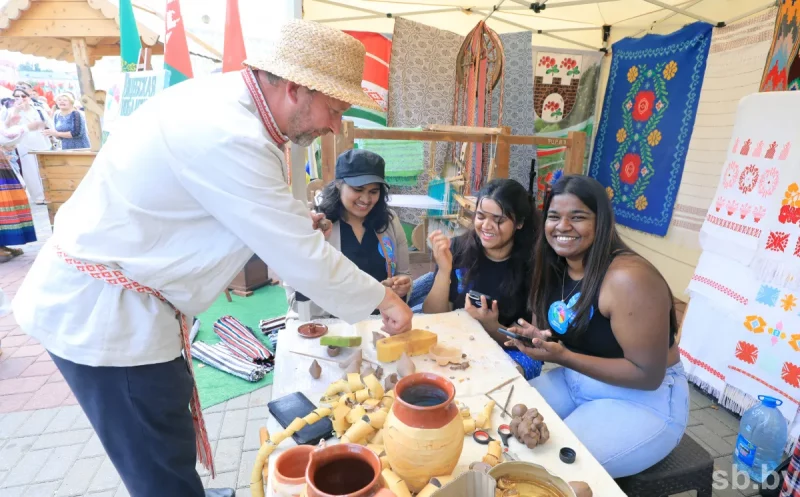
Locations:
column 748, row 186
column 773, row 151
column 713, row 279
column 704, row 343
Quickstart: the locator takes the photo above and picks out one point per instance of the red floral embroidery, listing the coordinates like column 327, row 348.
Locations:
column 547, row 61
column 552, row 105
column 777, row 241
column 746, row 352
column 643, row 105
column 568, row 63
column 748, row 179
column 629, row 172
column 791, row 374
column 789, row 214
column 797, row 248
column 771, row 150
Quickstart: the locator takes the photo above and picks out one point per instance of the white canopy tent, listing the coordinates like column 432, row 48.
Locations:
column 559, row 23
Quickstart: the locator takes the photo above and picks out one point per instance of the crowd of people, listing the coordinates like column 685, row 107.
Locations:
column 28, row 125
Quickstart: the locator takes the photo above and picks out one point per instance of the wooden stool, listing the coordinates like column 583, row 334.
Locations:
column 687, row 467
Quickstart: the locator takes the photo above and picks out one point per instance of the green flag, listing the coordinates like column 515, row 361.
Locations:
column 129, row 42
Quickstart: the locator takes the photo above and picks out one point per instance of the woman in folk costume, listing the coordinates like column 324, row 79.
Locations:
column 16, row 220
column 23, row 113
column 364, row 229
column 175, row 204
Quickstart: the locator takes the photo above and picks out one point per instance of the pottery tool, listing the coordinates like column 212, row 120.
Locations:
column 508, row 399
column 498, row 387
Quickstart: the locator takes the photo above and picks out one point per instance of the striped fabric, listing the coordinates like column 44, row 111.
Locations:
column 16, row 221
column 791, row 483
column 241, row 341
column 221, row 357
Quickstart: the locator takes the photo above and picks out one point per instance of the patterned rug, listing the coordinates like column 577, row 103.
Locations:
column 376, row 79
column 565, row 93
column 422, row 79
column 782, row 69
column 648, row 115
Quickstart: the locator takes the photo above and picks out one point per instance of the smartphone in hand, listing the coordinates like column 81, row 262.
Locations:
column 475, row 298
column 525, row 340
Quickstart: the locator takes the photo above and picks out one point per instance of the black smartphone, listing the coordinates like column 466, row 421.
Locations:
column 297, row 405
column 510, row 334
column 475, row 298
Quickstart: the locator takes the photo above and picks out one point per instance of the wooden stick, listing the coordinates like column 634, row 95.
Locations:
column 508, row 399
column 491, row 398
column 498, row 387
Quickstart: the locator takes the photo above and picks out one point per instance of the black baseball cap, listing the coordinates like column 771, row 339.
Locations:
column 360, row 167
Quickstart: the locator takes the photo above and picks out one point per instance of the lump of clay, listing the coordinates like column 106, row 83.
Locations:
column 529, row 428
column 315, row 370
column 518, row 410
column 405, row 366
column 333, row 351
column 379, row 373
column 390, row 382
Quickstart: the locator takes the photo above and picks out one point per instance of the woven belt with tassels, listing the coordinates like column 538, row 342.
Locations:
column 117, row 278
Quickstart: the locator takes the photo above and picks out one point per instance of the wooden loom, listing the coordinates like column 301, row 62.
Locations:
column 334, row 145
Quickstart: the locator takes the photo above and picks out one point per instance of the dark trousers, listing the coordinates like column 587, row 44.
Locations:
column 141, row 415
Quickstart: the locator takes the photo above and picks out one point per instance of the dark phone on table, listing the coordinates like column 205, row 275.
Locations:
column 475, row 298
column 297, row 405
column 527, row 341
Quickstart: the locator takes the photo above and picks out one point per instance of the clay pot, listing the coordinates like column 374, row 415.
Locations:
column 289, row 475
column 344, row 470
column 423, row 434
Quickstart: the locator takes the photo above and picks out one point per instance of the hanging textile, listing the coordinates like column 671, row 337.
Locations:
column 176, row 50
column 565, row 84
column 375, row 81
column 479, row 69
column 782, row 69
column 648, row 117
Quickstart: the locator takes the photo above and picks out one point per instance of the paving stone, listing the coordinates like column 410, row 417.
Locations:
column 59, row 463
column 261, row 397
column 42, row 489
column 215, row 408
column 64, row 419
column 21, row 385
column 246, row 468
column 244, row 492
column 15, row 402
column 25, row 471
column 251, row 440
column 66, row 438
column 240, row 402
column 258, row 412
column 707, row 418
column 13, row 451
column 80, row 475
column 226, row 457
column 14, row 366
column 224, row 480
column 11, row 422
column 693, row 421
column 122, row 491
column 213, row 424
column 712, row 440
column 699, row 399
column 107, row 493
column 728, row 418
column 81, row 421
column 36, row 424
column 106, row 478
column 14, row 491
column 233, row 424
column 50, row 395
column 40, row 369
column 93, row 448
column 29, row 351
column 711, row 452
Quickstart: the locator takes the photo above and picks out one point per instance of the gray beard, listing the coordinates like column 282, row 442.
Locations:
column 303, row 139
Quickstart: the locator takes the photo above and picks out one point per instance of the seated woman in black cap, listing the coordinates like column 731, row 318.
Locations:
column 364, row 229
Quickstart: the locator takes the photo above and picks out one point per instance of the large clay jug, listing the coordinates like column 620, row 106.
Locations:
column 423, row 434
column 346, row 469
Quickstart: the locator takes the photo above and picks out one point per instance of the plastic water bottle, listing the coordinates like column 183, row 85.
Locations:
column 762, row 436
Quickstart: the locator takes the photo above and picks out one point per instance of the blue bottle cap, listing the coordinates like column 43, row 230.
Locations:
column 770, row 401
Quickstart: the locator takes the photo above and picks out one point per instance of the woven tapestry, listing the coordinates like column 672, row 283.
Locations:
column 517, row 100
column 375, row 81
column 782, row 69
column 565, row 95
column 422, row 79
column 733, row 71
column 648, row 115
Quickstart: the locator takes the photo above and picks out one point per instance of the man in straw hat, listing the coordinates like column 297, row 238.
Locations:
column 176, row 202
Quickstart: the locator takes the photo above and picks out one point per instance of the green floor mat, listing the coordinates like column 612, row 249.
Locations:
column 214, row 385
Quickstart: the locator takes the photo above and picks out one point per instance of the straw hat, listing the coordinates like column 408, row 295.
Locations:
column 320, row 58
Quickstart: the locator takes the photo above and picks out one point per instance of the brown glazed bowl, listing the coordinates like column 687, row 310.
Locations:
column 342, row 453
column 426, row 417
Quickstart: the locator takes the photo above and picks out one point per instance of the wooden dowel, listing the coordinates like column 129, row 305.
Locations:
column 498, row 387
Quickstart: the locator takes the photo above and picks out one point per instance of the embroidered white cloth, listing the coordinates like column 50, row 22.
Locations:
column 714, row 279
column 749, row 182
column 179, row 198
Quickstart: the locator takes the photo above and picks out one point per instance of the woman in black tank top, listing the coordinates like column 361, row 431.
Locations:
column 606, row 315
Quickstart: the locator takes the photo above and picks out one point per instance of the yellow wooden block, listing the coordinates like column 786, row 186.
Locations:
column 413, row 343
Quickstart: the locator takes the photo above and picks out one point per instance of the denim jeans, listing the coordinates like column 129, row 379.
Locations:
column 626, row 430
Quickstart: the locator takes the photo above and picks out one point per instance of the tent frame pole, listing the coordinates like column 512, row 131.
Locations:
column 754, row 11
column 682, row 11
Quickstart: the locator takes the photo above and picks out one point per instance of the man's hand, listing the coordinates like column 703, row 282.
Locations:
column 318, row 222
column 400, row 284
column 396, row 313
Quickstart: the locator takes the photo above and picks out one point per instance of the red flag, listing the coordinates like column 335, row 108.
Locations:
column 233, row 53
column 176, row 50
